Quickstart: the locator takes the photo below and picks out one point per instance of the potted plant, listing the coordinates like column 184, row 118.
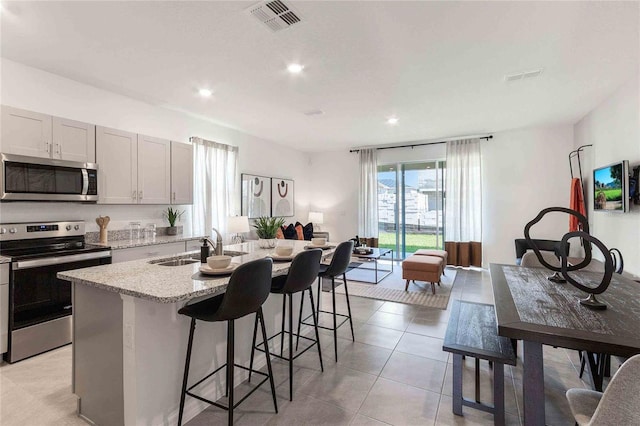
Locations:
column 172, row 216
column 267, row 228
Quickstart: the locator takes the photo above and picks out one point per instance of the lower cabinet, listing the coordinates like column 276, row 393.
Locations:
column 4, row 307
column 136, row 253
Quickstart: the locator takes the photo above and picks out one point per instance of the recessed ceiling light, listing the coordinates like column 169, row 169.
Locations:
column 295, row 68
column 205, row 93
column 392, row 120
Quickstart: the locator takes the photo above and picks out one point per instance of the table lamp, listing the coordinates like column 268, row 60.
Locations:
column 317, row 218
column 237, row 225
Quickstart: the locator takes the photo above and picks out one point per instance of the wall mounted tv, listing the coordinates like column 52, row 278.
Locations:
column 611, row 188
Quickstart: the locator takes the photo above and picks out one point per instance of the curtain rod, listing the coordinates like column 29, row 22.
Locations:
column 415, row 144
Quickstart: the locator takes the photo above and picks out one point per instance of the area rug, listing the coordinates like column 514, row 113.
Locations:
column 422, row 297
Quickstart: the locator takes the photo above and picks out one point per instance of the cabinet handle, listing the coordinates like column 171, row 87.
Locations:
column 133, row 195
column 47, row 147
column 140, row 195
column 57, row 148
column 174, row 196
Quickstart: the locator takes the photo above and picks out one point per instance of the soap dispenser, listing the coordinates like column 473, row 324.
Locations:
column 204, row 251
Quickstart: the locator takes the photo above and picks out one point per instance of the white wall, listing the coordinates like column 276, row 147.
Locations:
column 523, row 172
column 614, row 130
column 32, row 89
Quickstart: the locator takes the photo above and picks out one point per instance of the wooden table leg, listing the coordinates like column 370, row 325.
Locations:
column 533, row 384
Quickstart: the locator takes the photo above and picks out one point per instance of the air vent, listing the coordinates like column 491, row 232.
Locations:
column 523, row 75
column 314, row 112
column 276, row 15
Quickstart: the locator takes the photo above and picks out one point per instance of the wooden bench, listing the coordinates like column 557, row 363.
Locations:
column 472, row 331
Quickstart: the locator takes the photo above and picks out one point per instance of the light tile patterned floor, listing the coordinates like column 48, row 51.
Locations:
column 395, row 373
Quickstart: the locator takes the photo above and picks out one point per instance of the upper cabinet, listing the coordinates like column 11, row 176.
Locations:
column 154, row 170
column 117, row 155
column 40, row 135
column 181, row 173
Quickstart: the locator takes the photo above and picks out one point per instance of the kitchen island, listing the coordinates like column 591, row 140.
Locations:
column 129, row 342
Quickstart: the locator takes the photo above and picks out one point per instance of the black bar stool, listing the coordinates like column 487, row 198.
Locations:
column 247, row 290
column 302, row 273
column 338, row 266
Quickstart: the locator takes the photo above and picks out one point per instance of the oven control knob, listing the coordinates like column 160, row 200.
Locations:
column 3, row 230
column 68, row 227
column 13, row 230
column 76, row 227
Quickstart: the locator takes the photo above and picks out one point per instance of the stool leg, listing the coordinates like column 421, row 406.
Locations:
column 300, row 318
column 315, row 327
column 406, row 286
column 284, row 313
column 319, row 297
column 335, row 327
column 253, row 346
column 230, row 366
column 477, row 380
column 183, row 394
column 346, row 293
column 291, row 347
column 266, row 352
column 457, row 384
column 498, row 394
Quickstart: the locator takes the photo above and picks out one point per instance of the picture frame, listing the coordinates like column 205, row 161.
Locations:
column 255, row 195
column 282, row 197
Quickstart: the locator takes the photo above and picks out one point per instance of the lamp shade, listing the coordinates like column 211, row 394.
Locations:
column 238, row 224
column 316, row 217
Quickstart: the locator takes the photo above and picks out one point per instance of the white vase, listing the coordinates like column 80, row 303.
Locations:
column 266, row 243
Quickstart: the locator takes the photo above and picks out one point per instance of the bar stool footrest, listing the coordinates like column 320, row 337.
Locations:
column 298, row 352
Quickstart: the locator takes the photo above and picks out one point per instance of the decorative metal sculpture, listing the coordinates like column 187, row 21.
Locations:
column 584, row 224
column 561, row 274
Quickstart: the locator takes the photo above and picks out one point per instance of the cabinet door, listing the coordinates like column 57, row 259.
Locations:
column 25, row 132
column 137, row 253
column 4, row 306
column 154, row 170
column 117, row 158
column 181, row 173
column 74, row 140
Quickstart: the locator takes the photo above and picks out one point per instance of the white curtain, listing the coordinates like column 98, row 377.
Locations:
column 463, row 191
column 368, row 200
column 215, row 167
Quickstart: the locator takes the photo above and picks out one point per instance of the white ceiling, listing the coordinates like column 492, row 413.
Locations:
column 438, row 66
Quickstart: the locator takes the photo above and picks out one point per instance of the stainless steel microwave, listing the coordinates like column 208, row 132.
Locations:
column 43, row 179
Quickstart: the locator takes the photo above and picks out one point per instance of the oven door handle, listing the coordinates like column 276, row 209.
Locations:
column 37, row 263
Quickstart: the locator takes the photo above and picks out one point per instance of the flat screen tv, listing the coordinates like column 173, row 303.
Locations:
column 611, row 187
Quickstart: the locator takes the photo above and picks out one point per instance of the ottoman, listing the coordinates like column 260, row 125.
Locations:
column 433, row 252
column 422, row 268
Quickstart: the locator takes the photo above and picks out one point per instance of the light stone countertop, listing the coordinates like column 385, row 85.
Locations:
column 4, row 259
column 161, row 239
column 170, row 284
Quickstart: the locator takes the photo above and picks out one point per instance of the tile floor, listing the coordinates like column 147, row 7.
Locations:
column 394, row 373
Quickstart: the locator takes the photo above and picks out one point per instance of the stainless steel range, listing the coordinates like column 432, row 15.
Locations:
column 40, row 303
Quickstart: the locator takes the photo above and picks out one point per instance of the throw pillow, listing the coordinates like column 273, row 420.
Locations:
column 290, row 232
column 300, row 234
column 307, row 231
column 280, row 234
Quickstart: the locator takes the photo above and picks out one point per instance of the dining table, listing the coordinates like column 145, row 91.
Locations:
column 539, row 312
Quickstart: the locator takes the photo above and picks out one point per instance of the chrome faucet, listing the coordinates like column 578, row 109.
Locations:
column 217, row 247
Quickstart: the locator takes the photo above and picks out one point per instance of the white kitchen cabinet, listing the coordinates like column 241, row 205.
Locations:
column 181, row 173
column 4, row 307
column 154, row 170
column 117, row 158
column 25, row 132
column 136, row 253
column 74, row 140
column 41, row 135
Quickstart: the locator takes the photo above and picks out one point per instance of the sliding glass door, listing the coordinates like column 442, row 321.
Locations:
column 411, row 206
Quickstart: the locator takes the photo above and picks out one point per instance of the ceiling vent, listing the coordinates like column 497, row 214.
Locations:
column 276, row 15
column 523, row 75
column 314, row 112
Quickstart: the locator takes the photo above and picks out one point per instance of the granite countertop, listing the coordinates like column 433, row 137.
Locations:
column 142, row 242
column 170, row 284
column 4, row 259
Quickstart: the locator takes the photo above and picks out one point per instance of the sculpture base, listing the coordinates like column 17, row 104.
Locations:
column 593, row 303
column 557, row 278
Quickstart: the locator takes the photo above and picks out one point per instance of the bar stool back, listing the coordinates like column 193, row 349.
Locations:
column 302, row 273
column 247, row 290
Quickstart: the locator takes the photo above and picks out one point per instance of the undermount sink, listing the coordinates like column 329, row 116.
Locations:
column 177, row 262
column 226, row 253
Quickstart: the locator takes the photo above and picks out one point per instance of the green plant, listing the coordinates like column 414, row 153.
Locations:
column 172, row 215
column 267, row 227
